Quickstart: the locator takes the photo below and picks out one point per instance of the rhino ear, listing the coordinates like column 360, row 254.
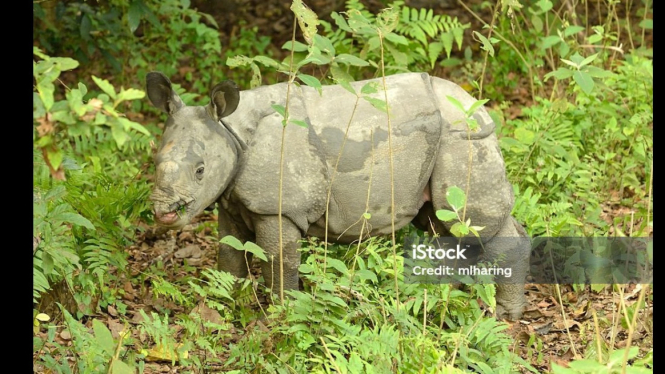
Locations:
column 161, row 93
column 224, row 99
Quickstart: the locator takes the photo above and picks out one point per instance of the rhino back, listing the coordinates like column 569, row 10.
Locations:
column 365, row 160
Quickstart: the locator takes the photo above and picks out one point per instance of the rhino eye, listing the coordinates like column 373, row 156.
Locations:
column 199, row 172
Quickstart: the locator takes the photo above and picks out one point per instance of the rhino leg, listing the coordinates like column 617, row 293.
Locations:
column 230, row 259
column 489, row 203
column 267, row 237
column 511, row 247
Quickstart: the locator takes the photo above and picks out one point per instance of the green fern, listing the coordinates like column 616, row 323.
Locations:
column 435, row 33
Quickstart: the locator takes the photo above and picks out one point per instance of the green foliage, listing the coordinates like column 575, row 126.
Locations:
column 59, row 122
column 348, row 320
column 131, row 38
column 561, row 152
column 413, row 40
column 96, row 351
column 613, row 365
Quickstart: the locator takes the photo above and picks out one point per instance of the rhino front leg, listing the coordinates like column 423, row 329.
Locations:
column 267, row 237
column 228, row 258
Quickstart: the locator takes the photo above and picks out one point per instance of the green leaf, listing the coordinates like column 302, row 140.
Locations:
column 47, row 263
column 311, row 81
column 399, row 39
column 341, row 22
column 588, row 60
column 597, row 72
column 298, row 122
column 646, row 24
column 324, row 44
column 570, row 30
column 297, row 46
column 233, row 242
column 105, row 86
column 549, row 41
column 134, row 15
column 75, row 219
column 367, row 274
column 305, row 268
column 433, row 52
column 455, row 197
column 127, row 125
column 267, row 61
column 118, row 133
column 85, row 27
column 524, row 135
column 446, row 215
column 119, row 367
column 537, row 23
column 377, row 103
column 103, row 336
column 570, row 63
column 447, row 41
column 46, row 90
column 475, row 229
column 307, row 20
column 338, row 265
column 477, row 104
column 65, row 63
column 545, row 5
column 459, row 229
column 55, row 158
column 367, row 215
column 279, row 109
column 456, row 103
column 130, row 94
column 346, row 85
column 584, row 80
column 255, row 250
column 350, row 60
column 486, row 45
column 560, row 73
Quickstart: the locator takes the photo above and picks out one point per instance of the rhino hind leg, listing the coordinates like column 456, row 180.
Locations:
column 511, row 247
column 489, row 204
column 267, row 237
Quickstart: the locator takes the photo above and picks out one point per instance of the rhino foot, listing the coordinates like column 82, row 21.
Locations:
column 510, row 301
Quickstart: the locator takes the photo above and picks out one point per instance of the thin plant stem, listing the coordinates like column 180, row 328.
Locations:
column 281, row 167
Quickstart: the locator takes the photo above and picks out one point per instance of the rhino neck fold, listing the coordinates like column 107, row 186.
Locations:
column 240, row 148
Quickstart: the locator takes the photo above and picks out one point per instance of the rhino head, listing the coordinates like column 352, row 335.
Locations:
column 198, row 156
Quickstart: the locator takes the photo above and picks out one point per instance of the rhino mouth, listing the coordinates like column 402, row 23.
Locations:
column 173, row 213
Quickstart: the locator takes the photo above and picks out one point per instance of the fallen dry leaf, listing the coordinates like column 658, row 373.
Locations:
column 162, row 353
column 116, row 327
column 190, row 251
column 45, row 125
column 207, row 314
column 111, row 310
column 129, row 291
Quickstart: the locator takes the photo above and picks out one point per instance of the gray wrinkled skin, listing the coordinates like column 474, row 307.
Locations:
column 220, row 153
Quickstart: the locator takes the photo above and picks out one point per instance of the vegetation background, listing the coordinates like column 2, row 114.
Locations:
column 568, row 82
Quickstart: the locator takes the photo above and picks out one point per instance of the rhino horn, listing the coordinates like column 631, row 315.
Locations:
column 161, row 93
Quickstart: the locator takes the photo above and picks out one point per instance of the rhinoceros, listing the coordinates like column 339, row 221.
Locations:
column 228, row 152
